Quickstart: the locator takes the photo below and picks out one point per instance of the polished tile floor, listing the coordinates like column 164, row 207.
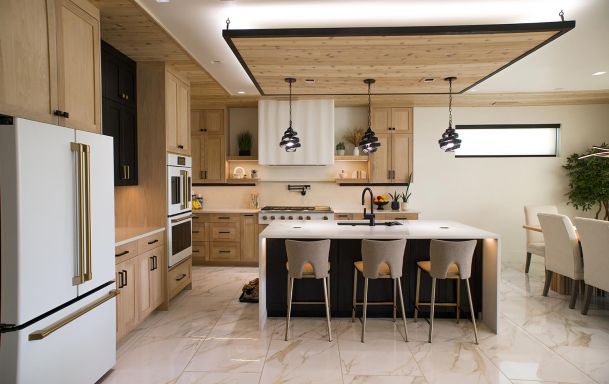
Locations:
column 207, row 336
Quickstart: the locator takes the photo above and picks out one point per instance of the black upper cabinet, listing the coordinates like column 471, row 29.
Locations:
column 119, row 112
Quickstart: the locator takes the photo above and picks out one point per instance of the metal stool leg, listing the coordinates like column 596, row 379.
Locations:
column 354, row 294
column 458, row 300
column 416, row 302
column 327, row 309
column 365, row 308
column 287, row 321
column 394, row 299
column 471, row 309
column 433, row 303
column 402, row 307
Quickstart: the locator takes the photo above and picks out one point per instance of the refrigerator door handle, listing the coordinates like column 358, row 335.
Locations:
column 41, row 334
column 78, row 148
column 87, row 158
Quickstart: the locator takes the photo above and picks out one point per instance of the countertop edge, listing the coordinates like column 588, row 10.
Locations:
column 140, row 236
column 226, row 210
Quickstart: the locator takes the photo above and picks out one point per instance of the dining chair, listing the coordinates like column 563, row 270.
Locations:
column 535, row 241
column 594, row 240
column 563, row 254
column 308, row 260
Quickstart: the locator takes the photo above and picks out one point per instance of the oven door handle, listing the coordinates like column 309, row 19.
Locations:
column 189, row 217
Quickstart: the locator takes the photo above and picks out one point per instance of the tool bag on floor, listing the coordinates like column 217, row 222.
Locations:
column 250, row 292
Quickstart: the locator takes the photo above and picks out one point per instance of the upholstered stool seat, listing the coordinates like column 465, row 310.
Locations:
column 453, row 270
column 307, row 269
column 383, row 268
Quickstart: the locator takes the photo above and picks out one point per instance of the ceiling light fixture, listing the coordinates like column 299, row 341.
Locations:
column 369, row 143
column 241, row 92
column 289, row 141
column 599, row 73
column 450, row 138
column 163, row 1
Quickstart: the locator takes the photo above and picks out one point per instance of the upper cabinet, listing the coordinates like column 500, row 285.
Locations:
column 177, row 113
column 208, row 146
column 118, row 76
column 52, row 73
column 392, row 162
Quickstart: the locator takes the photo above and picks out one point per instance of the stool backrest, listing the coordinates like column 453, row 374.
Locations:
column 530, row 218
column 377, row 252
column 314, row 252
column 563, row 254
column 594, row 238
column 444, row 253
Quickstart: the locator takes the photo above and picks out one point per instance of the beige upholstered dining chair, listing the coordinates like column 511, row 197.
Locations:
column 535, row 241
column 563, row 255
column 380, row 260
column 594, row 239
column 308, row 260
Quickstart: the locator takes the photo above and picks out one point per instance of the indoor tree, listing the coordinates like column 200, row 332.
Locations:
column 589, row 182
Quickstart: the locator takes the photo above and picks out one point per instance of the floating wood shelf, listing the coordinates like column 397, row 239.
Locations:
column 242, row 181
column 241, row 158
column 351, row 181
column 350, row 158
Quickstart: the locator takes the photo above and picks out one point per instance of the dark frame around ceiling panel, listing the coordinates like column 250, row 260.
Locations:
column 560, row 27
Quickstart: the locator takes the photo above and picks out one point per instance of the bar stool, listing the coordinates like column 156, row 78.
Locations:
column 448, row 260
column 308, row 260
column 380, row 260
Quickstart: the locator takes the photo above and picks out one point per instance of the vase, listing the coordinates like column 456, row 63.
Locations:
column 340, row 152
column 395, row 205
column 403, row 206
column 355, row 151
column 245, row 152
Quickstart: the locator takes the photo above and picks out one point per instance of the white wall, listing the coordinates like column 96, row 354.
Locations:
column 239, row 120
column 486, row 192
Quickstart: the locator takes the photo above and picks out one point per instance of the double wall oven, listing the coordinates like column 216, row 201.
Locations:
column 179, row 208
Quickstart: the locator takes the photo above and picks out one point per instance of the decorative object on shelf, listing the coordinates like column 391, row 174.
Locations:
column 340, row 149
column 353, row 137
column 254, row 174
column 450, row 138
column 254, row 199
column 589, row 182
column 362, row 175
column 244, row 141
column 395, row 204
column 238, row 173
column 289, row 141
column 342, row 174
column 380, row 201
column 369, row 143
column 406, row 195
column 197, row 201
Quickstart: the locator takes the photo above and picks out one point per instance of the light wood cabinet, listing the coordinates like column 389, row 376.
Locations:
column 249, row 237
column 126, row 301
column 178, row 278
column 209, row 145
column 50, row 71
column 150, row 281
column 392, row 162
column 177, row 113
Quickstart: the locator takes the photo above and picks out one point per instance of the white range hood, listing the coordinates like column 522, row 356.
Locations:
column 312, row 119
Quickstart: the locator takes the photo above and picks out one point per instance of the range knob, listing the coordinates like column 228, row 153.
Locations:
column 300, row 218
column 308, row 217
column 272, row 217
column 325, row 217
column 282, row 217
column 264, row 217
column 290, row 217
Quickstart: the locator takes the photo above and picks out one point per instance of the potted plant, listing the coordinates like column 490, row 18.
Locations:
column 589, row 182
column 353, row 137
column 340, row 149
column 244, row 141
column 406, row 195
column 395, row 204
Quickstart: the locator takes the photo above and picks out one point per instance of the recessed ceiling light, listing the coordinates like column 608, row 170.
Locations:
column 241, row 92
column 309, row 81
column 427, row 80
column 163, row 1
column 599, row 73
column 473, row 90
column 215, row 61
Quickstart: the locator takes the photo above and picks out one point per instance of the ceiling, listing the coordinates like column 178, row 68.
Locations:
column 563, row 66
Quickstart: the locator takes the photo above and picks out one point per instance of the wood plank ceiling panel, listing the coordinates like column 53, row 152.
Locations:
column 338, row 60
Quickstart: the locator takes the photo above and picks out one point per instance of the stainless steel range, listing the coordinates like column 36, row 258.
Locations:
column 270, row 213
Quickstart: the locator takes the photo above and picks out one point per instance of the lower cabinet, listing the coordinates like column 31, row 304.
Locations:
column 178, row 278
column 139, row 278
column 228, row 239
column 391, row 215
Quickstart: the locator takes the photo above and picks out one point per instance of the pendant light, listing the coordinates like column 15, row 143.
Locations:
column 369, row 143
column 450, row 138
column 289, row 141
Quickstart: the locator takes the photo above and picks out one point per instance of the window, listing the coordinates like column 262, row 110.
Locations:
column 508, row 140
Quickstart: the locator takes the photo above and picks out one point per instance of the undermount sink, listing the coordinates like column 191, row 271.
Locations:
column 354, row 223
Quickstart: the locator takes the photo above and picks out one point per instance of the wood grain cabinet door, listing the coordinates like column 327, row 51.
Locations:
column 127, row 314
column 380, row 161
column 78, row 65
column 183, row 118
column 380, row 119
column 28, row 67
column 401, row 119
column 213, row 121
column 249, row 237
column 145, row 265
column 214, row 157
column 401, row 151
column 156, row 283
column 171, row 112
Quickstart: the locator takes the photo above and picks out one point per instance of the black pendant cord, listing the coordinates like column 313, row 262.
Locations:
column 369, row 110
column 450, row 102
column 290, row 104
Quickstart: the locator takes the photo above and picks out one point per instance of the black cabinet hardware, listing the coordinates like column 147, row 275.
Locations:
column 121, row 254
column 221, row 251
column 181, row 146
column 153, row 241
column 183, row 275
column 125, row 272
column 224, row 232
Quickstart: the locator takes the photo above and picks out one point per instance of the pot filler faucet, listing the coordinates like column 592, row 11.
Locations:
column 369, row 216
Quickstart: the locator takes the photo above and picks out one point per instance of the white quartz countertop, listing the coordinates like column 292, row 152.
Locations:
column 127, row 235
column 226, row 210
column 361, row 210
column 411, row 229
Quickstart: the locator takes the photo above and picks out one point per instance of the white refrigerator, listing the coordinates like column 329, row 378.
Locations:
column 57, row 299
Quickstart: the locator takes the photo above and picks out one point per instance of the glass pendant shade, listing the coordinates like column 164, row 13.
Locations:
column 369, row 143
column 289, row 141
column 450, row 138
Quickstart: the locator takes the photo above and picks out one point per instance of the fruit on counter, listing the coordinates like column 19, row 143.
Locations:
column 196, row 204
column 380, row 199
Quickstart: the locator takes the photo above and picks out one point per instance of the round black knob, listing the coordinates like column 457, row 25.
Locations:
column 264, row 217
column 308, row 217
column 290, row 217
column 300, row 218
column 282, row 217
column 325, row 217
column 272, row 217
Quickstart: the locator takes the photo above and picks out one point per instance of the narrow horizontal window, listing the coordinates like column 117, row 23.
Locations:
column 508, row 140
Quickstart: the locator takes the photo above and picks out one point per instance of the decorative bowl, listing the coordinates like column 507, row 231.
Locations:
column 380, row 205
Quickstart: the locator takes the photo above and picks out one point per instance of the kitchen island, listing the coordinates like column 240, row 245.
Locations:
column 345, row 249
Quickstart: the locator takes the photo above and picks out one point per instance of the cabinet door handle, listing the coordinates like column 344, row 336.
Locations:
column 65, row 114
column 153, row 241
column 126, row 97
column 152, row 261
column 205, row 175
column 195, row 231
column 126, row 282
column 120, row 280
column 195, row 251
column 248, row 215
column 204, row 129
column 221, row 251
column 121, row 254
column 183, row 275
column 202, row 175
column 57, row 112
column 224, row 232
column 181, row 146
column 223, row 217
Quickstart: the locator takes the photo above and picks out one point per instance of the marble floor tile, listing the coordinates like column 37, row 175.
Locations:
column 376, row 329
column 309, row 328
column 218, row 378
column 362, row 379
column 186, row 320
column 230, row 355
column 152, row 360
column 377, row 357
column 302, row 361
column 592, row 361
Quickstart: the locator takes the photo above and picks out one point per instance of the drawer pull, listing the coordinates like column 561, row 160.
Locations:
column 224, row 251
column 223, row 217
column 182, row 276
column 153, row 241
column 121, row 254
column 195, row 231
column 248, row 215
column 195, row 251
column 224, row 232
